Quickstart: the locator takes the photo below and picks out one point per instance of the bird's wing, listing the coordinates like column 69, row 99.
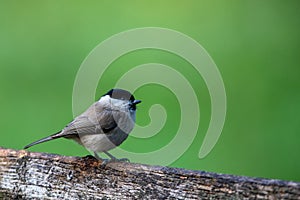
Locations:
column 95, row 120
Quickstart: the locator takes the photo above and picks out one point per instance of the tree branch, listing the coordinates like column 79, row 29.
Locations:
column 30, row 175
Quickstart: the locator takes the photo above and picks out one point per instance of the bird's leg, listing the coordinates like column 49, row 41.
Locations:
column 113, row 159
column 104, row 161
column 97, row 156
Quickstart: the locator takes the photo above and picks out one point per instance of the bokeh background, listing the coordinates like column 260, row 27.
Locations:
column 255, row 45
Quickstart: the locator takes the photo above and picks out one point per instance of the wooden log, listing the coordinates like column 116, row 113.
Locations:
column 27, row 175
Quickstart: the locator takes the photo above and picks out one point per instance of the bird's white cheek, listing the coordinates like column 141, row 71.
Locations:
column 132, row 115
column 126, row 122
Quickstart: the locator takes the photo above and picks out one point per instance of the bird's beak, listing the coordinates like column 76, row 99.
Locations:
column 136, row 102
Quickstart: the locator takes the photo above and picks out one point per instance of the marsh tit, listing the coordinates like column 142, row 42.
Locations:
column 103, row 126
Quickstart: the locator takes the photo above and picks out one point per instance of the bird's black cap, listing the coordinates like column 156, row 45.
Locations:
column 120, row 94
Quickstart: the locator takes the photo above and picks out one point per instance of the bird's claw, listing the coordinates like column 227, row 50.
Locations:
column 106, row 161
column 121, row 160
column 112, row 159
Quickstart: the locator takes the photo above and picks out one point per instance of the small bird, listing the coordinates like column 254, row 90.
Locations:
column 103, row 126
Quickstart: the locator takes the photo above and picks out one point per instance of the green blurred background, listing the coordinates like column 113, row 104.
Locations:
column 255, row 45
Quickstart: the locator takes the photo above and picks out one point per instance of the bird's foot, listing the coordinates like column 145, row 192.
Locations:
column 119, row 160
column 112, row 159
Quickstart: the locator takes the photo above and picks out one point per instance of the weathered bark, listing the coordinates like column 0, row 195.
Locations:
column 26, row 175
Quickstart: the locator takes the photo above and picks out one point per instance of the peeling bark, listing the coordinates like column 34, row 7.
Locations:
column 27, row 175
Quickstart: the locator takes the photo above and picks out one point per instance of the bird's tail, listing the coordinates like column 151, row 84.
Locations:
column 51, row 137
